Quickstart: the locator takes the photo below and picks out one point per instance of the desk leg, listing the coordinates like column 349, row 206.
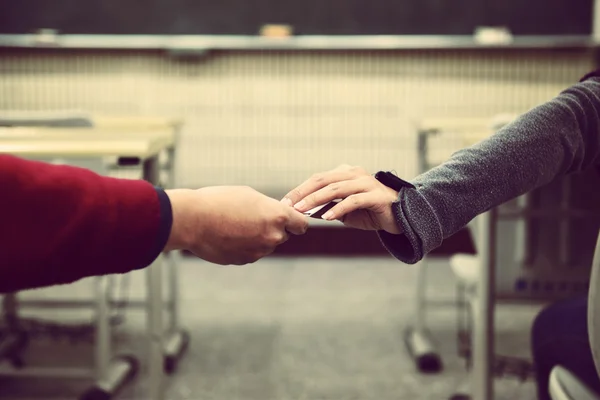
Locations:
column 103, row 345
column 417, row 338
column 155, row 330
column 171, row 154
column 172, row 263
column 177, row 341
column 111, row 372
column 154, row 299
column 483, row 338
column 173, row 280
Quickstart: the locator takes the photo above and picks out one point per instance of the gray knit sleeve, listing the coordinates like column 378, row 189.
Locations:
column 556, row 138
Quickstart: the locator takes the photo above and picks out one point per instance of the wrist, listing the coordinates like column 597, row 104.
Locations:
column 182, row 232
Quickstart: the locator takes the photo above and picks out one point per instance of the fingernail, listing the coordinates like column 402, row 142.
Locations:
column 300, row 205
column 286, row 201
column 328, row 215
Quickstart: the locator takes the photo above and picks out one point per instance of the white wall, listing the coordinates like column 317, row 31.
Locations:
column 269, row 120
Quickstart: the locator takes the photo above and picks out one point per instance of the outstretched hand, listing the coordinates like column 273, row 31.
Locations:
column 230, row 224
column 365, row 202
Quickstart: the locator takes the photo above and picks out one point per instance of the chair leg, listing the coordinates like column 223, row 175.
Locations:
column 418, row 340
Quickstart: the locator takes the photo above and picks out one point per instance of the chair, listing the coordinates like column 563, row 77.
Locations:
column 563, row 384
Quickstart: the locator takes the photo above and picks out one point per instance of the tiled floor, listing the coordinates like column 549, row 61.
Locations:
column 294, row 329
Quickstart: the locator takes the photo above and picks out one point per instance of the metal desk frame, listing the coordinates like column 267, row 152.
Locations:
column 418, row 339
column 177, row 339
column 483, row 296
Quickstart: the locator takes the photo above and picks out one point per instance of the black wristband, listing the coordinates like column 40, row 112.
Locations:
column 166, row 220
column 593, row 74
column 392, row 181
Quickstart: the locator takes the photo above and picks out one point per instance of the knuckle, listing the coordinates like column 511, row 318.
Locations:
column 278, row 238
column 297, row 194
column 281, row 219
column 271, row 238
column 334, row 188
column 358, row 170
column 354, row 199
column 369, row 180
column 318, row 177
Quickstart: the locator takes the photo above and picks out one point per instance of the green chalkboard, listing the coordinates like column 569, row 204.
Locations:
column 307, row 17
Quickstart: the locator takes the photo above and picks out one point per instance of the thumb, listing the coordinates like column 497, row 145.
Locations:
column 297, row 223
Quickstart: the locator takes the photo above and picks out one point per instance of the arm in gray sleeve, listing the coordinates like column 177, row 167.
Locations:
column 559, row 137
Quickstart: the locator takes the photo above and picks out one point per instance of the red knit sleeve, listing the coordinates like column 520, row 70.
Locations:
column 60, row 223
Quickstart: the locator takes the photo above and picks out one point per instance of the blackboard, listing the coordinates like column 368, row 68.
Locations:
column 307, row 17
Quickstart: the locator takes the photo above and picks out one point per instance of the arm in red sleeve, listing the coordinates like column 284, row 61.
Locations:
column 60, row 223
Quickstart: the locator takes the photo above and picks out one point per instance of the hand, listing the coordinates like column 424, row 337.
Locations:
column 366, row 204
column 230, row 224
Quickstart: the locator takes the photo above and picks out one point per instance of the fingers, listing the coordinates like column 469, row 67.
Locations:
column 321, row 180
column 352, row 203
column 334, row 191
column 297, row 223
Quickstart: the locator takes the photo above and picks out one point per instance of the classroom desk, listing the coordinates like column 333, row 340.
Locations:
column 75, row 119
column 169, row 126
column 177, row 339
column 102, row 121
column 42, row 143
column 82, row 143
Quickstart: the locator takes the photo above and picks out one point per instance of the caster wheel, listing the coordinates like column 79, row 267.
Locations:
column 134, row 366
column 429, row 363
column 96, row 394
column 170, row 364
column 128, row 367
column 419, row 346
column 171, row 360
